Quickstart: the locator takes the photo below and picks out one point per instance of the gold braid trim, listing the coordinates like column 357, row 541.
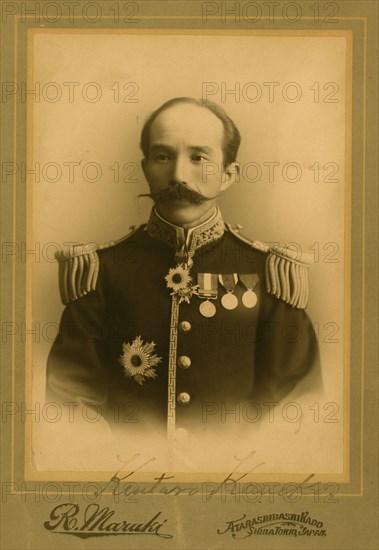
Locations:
column 79, row 268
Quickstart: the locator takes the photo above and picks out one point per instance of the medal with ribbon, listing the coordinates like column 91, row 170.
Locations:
column 249, row 280
column 207, row 290
column 229, row 281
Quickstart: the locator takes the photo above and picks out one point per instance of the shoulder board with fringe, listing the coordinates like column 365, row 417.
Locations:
column 286, row 271
column 287, row 275
column 79, row 268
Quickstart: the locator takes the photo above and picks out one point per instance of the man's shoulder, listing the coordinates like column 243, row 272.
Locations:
column 233, row 232
column 133, row 239
column 292, row 251
column 79, row 263
column 286, row 267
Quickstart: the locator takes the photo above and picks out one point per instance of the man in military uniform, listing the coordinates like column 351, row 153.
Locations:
column 183, row 318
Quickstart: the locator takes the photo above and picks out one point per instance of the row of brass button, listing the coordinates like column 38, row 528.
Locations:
column 183, row 398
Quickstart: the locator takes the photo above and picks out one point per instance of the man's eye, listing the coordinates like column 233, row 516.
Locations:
column 199, row 158
column 161, row 157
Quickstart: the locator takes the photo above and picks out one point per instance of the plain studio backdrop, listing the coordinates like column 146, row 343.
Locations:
column 285, row 94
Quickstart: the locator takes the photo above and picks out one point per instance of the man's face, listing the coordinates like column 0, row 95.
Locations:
column 186, row 162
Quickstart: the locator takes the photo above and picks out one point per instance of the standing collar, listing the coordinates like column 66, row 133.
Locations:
column 191, row 239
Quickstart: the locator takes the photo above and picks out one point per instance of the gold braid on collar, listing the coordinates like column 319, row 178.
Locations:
column 176, row 237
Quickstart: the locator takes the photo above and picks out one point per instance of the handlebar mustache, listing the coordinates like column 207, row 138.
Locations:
column 178, row 191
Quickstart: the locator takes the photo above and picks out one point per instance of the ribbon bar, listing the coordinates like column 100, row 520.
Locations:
column 207, row 285
column 249, row 280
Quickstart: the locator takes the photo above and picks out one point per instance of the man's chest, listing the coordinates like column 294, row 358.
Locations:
column 211, row 338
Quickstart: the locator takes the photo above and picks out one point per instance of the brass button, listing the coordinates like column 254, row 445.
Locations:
column 184, row 327
column 183, row 398
column 184, row 362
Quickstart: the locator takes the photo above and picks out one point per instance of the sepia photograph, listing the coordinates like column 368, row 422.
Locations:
column 193, row 194
column 189, row 274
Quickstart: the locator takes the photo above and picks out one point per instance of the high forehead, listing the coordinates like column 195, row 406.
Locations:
column 188, row 122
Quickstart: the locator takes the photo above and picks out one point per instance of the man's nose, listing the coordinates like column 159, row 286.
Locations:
column 179, row 172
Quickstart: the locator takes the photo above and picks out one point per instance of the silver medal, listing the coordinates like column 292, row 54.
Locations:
column 207, row 309
column 249, row 299
column 229, row 301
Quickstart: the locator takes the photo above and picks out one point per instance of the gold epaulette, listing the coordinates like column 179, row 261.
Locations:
column 286, row 271
column 287, row 275
column 79, row 268
column 78, row 271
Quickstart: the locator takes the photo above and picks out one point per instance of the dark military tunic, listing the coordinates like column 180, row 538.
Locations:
column 236, row 357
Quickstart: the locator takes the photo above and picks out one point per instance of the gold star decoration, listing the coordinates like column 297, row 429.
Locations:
column 139, row 360
column 179, row 280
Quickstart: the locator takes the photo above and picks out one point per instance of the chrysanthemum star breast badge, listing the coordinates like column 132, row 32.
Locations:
column 139, row 359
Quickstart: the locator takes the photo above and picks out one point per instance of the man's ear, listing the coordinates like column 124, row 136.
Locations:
column 231, row 174
column 143, row 166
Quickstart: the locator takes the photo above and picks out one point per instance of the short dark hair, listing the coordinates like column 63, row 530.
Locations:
column 232, row 138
